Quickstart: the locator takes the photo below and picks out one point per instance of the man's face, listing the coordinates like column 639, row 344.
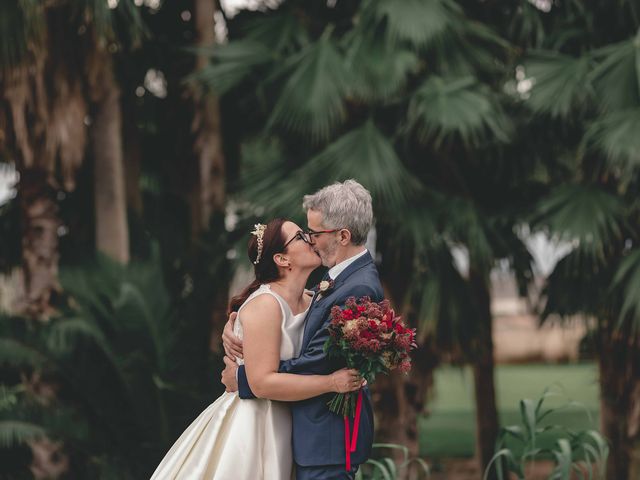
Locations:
column 324, row 244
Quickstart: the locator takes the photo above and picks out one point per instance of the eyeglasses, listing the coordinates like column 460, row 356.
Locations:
column 312, row 233
column 300, row 235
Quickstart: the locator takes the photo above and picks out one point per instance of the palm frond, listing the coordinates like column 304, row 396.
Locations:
column 560, row 83
column 472, row 48
column 19, row 354
column 361, row 154
column 280, row 32
column 448, row 109
column 21, row 23
column 231, row 64
column 469, row 226
column 416, row 21
column 379, row 70
column 616, row 136
column 443, row 302
column 627, row 281
column 311, row 101
column 15, row 433
column 616, row 77
column 586, row 215
column 526, row 26
column 264, row 166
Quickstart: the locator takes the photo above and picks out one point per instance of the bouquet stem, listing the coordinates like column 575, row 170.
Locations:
column 344, row 404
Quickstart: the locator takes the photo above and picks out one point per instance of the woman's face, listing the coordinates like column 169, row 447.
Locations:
column 299, row 252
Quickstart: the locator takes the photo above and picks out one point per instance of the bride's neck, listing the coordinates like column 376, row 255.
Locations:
column 291, row 286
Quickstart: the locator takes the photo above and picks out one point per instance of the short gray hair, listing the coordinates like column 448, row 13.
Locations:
column 344, row 205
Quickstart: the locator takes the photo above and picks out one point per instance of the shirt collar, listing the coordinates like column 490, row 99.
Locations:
column 339, row 268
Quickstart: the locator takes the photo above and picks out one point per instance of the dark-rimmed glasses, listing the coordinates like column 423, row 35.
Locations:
column 311, row 233
column 300, row 235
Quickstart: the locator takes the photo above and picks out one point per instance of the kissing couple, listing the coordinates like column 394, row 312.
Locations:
column 273, row 421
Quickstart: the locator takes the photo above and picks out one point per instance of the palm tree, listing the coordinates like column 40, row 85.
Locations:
column 47, row 68
column 586, row 86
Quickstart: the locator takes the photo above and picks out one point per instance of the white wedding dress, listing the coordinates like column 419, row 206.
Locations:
column 235, row 439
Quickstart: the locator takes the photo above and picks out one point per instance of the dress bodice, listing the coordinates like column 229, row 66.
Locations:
column 291, row 326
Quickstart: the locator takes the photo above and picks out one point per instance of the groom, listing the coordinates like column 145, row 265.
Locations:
column 339, row 218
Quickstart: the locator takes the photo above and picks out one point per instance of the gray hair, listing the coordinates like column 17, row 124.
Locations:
column 344, row 205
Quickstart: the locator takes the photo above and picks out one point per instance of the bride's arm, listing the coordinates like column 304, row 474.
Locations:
column 261, row 323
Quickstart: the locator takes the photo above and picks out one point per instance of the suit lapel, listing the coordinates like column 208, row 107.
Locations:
column 309, row 329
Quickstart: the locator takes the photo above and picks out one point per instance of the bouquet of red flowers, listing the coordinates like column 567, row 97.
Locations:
column 371, row 338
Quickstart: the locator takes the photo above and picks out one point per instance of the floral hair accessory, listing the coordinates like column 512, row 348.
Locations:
column 258, row 232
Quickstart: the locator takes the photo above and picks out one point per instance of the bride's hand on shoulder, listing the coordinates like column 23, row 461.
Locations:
column 232, row 344
column 346, row 380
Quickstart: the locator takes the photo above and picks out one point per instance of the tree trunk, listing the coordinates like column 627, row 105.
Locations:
column 487, row 424
column 40, row 223
column 619, row 364
column 208, row 198
column 112, row 233
column 132, row 158
column 400, row 401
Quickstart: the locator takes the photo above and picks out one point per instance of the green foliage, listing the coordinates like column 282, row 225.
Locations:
column 457, row 109
column 112, row 358
column 23, row 24
column 583, row 453
column 561, row 86
column 416, row 21
column 585, row 214
column 315, row 84
column 394, row 466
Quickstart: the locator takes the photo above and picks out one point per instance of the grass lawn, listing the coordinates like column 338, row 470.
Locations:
column 450, row 429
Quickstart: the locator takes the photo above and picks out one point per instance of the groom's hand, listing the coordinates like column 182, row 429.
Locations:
column 229, row 375
column 232, row 344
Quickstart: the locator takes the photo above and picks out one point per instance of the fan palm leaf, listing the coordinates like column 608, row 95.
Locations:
column 627, row 281
column 416, row 21
column 616, row 136
column 14, row 433
column 312, row 99
column 361, row 154
column 469, row 226
column 574, row 287
column 470, row 49
column 560, row 83
column 280, row 32
column 586, row 215
column 231, row 64
column 443, row 303
column 378, row 69
column 617, row 74
column 447, row 109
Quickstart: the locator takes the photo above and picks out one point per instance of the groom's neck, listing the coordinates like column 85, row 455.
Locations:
column 348, row 252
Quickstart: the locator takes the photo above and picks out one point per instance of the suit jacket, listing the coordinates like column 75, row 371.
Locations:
column 318, row 434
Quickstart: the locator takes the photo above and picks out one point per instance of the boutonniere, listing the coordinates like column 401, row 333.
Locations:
column 325, row 286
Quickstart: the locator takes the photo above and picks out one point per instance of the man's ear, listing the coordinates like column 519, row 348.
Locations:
column 345, row 237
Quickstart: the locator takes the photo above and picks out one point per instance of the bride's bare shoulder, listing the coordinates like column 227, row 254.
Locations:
column 262, row 307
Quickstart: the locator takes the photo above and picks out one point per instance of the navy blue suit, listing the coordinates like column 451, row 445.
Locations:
column 318, row 434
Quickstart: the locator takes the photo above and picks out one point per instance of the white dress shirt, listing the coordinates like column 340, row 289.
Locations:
column 340, row 267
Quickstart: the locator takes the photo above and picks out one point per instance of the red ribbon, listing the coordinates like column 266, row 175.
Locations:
column 350, row 443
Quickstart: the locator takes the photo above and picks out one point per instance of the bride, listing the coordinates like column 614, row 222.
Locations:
column 251, row 439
